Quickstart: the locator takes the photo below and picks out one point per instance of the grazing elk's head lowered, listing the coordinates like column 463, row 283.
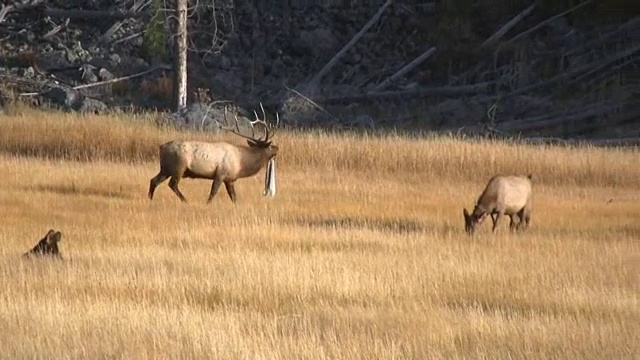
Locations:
column 48, row 246
column 218, row 161
column 503, row 195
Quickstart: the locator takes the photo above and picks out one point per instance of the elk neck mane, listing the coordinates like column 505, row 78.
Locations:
column 252, row 159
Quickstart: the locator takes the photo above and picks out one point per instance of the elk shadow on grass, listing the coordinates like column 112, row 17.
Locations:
column 76, row 190
column 324, row 245
column 382, row 225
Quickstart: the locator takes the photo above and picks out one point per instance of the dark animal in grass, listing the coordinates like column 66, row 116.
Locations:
column 47, row 247
column 504, row 195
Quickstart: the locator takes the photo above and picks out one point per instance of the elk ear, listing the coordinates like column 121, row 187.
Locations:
column 48, row 235
column 54, row 238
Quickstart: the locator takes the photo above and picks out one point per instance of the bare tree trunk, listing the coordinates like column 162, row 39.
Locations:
column 180, row 57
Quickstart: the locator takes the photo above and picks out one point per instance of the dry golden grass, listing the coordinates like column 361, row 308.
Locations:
column 361, row 255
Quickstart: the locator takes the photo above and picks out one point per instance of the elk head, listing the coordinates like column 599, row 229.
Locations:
column 262, row 142
column 471, row 221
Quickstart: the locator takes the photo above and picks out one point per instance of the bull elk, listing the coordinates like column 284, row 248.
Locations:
column 218, row 161
column 504, row 195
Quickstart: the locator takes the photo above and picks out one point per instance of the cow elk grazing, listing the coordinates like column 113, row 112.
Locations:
column 503, row 195
column 48, row 246
column 218, row 161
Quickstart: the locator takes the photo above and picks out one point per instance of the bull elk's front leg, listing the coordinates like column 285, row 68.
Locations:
column 215, row 186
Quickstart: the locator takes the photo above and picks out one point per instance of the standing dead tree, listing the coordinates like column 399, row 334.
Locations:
column 180, row 56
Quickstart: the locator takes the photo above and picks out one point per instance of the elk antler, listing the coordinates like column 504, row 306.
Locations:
column 268, row 133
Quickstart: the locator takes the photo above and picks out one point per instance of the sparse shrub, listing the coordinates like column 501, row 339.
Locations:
column 160, row 88
column 121, row 88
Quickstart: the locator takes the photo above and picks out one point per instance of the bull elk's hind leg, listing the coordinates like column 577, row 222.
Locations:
column 526, row 219
column 514, row 224
column 153, row 184
column 231, row 190
column 173, row 184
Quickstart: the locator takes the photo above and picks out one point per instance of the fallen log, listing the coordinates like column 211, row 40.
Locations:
column 91, row 14
column 128, row 77
column 4, row 10
column 474, row 89
column 69, row 14
column 529, row 124
column 349, row 45
column 579, row 71
column 545, row 22
column 558, row 113
column 630, row 28
column 621, row 142
column 415, row 62
column 508, row 26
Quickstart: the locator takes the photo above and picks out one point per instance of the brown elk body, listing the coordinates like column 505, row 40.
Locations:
column 218, row 161
column 47, row 246
column 504, row 195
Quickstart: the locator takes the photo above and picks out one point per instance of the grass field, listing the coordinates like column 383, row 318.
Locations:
column 361, row 255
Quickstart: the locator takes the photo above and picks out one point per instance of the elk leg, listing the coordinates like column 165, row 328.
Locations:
column 496, row 221
column 526, row 218
column 520, row 216
column 173, row 184
column 512, row 224
column 231, row 190
column 215, row 186
column 493, row 217
column 153, row 184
